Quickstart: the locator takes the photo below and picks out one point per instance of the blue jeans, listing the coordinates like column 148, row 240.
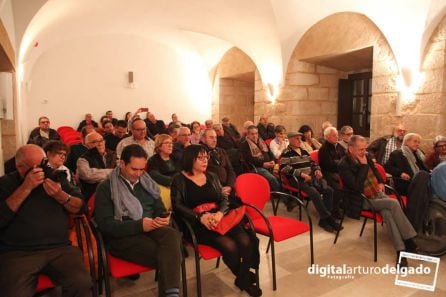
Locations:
column 272, row 180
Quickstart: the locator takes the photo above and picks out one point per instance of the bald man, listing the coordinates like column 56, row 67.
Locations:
column 382, row 147
column 95, row 165
column 34, row 222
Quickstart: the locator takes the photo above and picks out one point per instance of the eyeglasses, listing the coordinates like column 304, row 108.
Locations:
column 203, row 158
column 441, row 146
column 167, row 142
column 97, row 141
column 45, row 122
column 184, row 135
column 62, row 154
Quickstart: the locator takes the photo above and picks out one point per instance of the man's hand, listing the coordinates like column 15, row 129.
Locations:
column 268, row 165
column 33, row 179
column 380, row 188
column 147, row 224
column 54, row 190
column 161, row 222
column 405, row 176
column 306, row 177
column 318, row 174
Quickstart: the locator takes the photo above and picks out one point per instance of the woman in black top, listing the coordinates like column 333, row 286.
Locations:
column 162, row 166
column 193, row 187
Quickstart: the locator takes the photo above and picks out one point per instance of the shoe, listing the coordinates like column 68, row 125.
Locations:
column 133, row 277
column 411, row 246
column 252, row 278
column 402, row 263
column 251, row 289
column 336, row 226
column 290, row 205
column 336, row 215
column 323, row 223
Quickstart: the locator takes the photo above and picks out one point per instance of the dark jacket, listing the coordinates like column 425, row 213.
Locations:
column 156, row 128
column 378, row 148
column 396, row 165
column 266, row 132
column 291, row 163
column 76, row 150
column 329, row 157
column 220, row 165
column 232, row 130
column 84, row 123
column 247, row 156
column 353, row 175
column 163, row 171
column 94, row 160
column 35, row 138
column 180, row 197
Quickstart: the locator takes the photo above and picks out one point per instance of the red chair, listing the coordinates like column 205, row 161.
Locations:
column 314, row 156
column 286, row 185
column 63, row 129
column 116, row 267
column 391, row 192
column 201, row 251
column 254, row 191
column 44, row 283
column 268, row 141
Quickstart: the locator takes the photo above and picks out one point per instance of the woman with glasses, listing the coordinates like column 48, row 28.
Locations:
column 162, row 166
column 195, row 186
column 196, row 132
column 56, row 153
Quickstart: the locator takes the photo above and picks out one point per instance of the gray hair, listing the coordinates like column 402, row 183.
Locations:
column 355, row 139
column 329, row 130
column 409, row 136
column 217, row 126
column 346, row 128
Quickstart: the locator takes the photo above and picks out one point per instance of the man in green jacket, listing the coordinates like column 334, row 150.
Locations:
column 133, row 219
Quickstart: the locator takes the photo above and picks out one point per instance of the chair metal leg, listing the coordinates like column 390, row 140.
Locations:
column 198, row 273
column 363, row 225
column 375, row 241
column 268, row 246
column 156, row 274
column 218, row 262
column 183, row 276
column 339, row 230
column 300, row 212
column 273, row 259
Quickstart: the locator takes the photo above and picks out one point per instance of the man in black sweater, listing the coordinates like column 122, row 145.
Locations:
column 34, row 222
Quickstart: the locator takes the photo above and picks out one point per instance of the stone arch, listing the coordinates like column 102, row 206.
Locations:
column 429, row 109
column 235, row 87
column 332, row 48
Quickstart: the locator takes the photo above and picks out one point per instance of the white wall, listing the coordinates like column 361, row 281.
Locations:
column 89, row 74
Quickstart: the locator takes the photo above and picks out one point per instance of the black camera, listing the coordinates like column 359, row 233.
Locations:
column 53, row 174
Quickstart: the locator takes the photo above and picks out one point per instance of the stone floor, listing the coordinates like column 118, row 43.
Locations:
column 293, row 260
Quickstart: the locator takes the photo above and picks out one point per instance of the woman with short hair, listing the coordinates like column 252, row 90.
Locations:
column 309, row 143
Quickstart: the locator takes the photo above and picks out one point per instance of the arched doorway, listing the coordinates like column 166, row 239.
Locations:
column 234, row 88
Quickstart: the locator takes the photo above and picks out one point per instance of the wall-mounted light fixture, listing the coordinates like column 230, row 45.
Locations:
column 272, row 92
column 408, row 83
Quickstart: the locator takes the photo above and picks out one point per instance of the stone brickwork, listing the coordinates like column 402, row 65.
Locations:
column 236, row 100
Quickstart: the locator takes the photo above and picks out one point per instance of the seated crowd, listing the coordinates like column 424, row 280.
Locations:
column 140, row 170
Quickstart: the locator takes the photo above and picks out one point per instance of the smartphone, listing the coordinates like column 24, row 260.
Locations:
column 144, row 109
column 164, row 215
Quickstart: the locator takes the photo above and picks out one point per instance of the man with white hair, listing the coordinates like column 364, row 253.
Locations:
column 182, row 141
column 330, row 154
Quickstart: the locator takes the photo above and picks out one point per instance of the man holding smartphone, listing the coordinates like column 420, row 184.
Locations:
column 134, row 221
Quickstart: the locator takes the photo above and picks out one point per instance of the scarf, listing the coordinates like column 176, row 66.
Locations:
column 370, row 185
column 125, row 203
column 409, row 154
column 256, row 150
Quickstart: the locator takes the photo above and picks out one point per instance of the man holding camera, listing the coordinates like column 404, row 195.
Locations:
column 304, row 174
column 34, row 223
column 133, row 219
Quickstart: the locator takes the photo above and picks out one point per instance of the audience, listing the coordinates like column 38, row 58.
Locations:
column 130, row 214
column 324, row 126
column 194, row 187
column 162, row 166
column 175, row 121
column 330, row 154
column 56, row 153
column 108, row 128
column 405, row 162
column 155, row 126
column 305, row 175
column 34, row 224
column 439, row 153
column 219, row 162
column 195, row 137
column 230, row 128
column 255, row 153
column 95, row 165
column 77, row 150
column 346, row 133
column 183, row 141
column 208, row 124
column 173, row 131
column 224, row 140
column 40, row 135
column 309, row 143
column 280, row 142
column 112, row 139
column 359, row 174
column 110, row 117
column 139, row 136
column 266, row 130
column 87, row 122
column 438, row 181
column 383, row 146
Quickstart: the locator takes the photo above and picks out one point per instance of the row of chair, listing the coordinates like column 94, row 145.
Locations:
column 68, row 135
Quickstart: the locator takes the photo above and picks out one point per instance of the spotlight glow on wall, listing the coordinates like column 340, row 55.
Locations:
column 409, row 81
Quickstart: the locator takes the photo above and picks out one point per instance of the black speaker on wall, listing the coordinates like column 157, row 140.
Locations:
column 130, row 77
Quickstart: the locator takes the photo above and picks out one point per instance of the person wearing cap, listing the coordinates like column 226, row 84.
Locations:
column 304, row 174
column 439, row 153
column 230, row 128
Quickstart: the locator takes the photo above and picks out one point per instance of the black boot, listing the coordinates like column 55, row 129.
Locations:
column 411, row 246
column 243, row 283
column 336, row 226
column 324, row 224
column 403, row 262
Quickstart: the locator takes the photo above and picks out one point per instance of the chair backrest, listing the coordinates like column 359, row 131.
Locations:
column 253, row 189
column 90, row 206
column 382, row 171
column 268, row 141
column 314, row 156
